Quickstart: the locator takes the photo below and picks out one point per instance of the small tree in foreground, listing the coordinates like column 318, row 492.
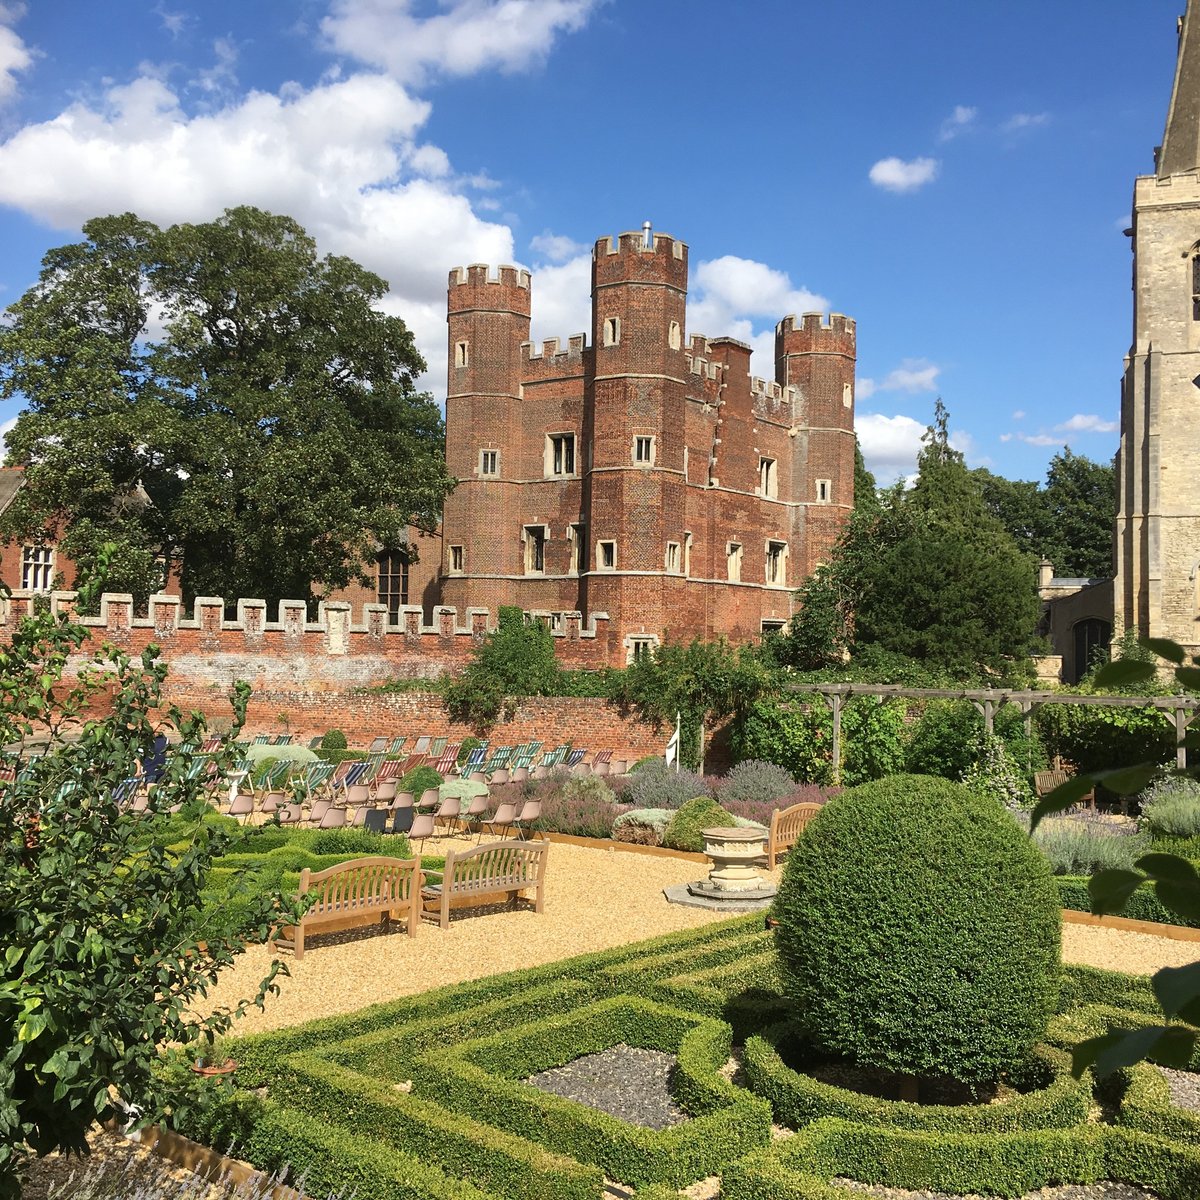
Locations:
column 919, row 931
column 103, row 961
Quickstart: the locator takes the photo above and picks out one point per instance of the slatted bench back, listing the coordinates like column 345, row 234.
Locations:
column 787, row 824
column 361, row 885
column 496, row 867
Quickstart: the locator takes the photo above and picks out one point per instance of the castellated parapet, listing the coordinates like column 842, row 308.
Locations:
column 639, row 470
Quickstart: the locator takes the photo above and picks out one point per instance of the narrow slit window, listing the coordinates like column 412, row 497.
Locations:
column 535, row 549
column 606, row 555
column 460, row 354
column 578, row 538
column 456, row 560
column 674, row 336
column 612, row 331
column 824, row 491
column 687, row 553
column 768, row 478
column 672, row 558
column 733, row 561
column 777, row 562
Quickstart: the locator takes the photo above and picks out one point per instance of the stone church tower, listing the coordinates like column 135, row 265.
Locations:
column 1157, row 586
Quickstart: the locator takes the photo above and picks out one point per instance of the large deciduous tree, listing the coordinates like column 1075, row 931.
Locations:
column 221, row 394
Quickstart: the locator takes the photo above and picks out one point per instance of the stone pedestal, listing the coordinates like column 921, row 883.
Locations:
column 733, row 883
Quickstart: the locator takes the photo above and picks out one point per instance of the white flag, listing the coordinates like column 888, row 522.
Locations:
column 672, row 754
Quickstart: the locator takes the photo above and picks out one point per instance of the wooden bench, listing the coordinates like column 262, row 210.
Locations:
column 1044, row 782
column 510, row 867
column 787, row 824
column 355, row 892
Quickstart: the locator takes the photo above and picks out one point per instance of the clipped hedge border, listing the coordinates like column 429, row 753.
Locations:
column 799, row 1099
column 1143, row 905
column 257, row 1052
column 329, row 1160
column 455, row 1142
column 1147, row 1105
column 1095, row 1020
column 1003, row 1164
column 485, row 1078
column 1094, row 985
column 745, row 993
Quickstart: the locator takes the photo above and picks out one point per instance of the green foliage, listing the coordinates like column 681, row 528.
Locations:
column 101, row 919
column 466, row 746
column 515, row 659
column 896, row 913
column 930, row 575
column 685, row 832
column 699, row 681
column 798, row 739
column 420, row 779
column 994, row 774
column 873, row 733
column 945, row 739
column 270, row 438
column 334, row 739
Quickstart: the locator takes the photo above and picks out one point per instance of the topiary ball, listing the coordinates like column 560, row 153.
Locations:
column 919, row 931
column 334, row 739
column 685, row 831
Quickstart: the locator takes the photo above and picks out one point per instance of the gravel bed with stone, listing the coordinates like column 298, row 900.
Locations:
column 1184, row 1087
column 1069, row 1191
column 626, row 1082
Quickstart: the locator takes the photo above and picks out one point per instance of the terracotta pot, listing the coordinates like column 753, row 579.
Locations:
column 225, row 1068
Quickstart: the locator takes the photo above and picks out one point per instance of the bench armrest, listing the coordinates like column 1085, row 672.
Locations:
column 425, row 877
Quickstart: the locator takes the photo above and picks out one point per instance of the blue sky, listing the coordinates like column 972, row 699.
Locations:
column 954, row 175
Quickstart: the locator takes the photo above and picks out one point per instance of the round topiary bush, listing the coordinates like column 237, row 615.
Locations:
column 334, row 739
column 919, row 931
column 685, row 832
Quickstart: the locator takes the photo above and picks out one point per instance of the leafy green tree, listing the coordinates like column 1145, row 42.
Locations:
column 699, row 681
column 515, row 659
column 1080, row 504
column 1018, row 504
column 106, row 958
column 217, row 394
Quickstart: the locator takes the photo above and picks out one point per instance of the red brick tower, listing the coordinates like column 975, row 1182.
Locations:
column 489, row 321
column 633, row 428
column 817, row 359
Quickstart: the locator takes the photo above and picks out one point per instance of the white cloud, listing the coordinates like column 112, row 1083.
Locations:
column 1086, row 423
column 913, row 375
column 467, row 37
column 555, row 247
column 173, row 22
column 959, row 121
column 341, row 158
column 897, row 175
column 221, row 76
column 562, row 300
column 15, row 56
column 1037, row 439
column 1021, row 121
column 890, row 445
column 1019, row 415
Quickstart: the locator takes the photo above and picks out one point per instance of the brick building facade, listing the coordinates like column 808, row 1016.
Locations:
column 642, row 474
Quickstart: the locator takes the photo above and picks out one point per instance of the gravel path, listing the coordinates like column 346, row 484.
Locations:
column 1184, row 1087
column 623, row 1081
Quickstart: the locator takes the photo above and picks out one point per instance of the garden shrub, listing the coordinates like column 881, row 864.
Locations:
column 1171, row 807
column 945, row 739
column 645, row 762
column 1095, row 737
column 1079, row 846
column 700, row 813
column 642, row 826
column 753, row 779
column 584, row 807
column 872, row 744
column 994, row 774
column 798, row 739
column 658, row 786
column 334, row 739
column 465, row 747
column 897, row 912
column 420, row 779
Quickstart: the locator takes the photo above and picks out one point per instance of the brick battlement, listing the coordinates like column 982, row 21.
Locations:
column 478, row 274
column 633, row 242
column 551, row 353
column 329, row 654
column 815, row 322
column 702, row 366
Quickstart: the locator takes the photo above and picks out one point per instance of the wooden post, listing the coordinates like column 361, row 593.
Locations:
column 836, row 701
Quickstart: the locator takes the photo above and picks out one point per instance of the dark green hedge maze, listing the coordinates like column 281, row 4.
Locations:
column 424, row 1098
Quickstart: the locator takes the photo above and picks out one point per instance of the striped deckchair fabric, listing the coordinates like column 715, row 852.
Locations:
column 261, row 739
column 314, row 743
column 420, row 752
column 474, row 760
column 523, row 756
column 498, row 759
column 445, row 764
column 282, row 739
column 601, row 756
column 356, row 774
column 374, row 762
column 553, row 757
column 397, row 744
column 437, row 748
column 392, row 768
column 378, row 746
column 574, row 758
column 317, row 775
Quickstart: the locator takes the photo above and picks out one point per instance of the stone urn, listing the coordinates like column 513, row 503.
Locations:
column 733, row 882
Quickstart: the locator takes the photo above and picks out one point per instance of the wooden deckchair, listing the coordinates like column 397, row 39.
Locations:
column 474, row 760
column 445, row 764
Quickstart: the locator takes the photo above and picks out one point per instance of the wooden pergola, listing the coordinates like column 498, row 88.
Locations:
column 1178, row 710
